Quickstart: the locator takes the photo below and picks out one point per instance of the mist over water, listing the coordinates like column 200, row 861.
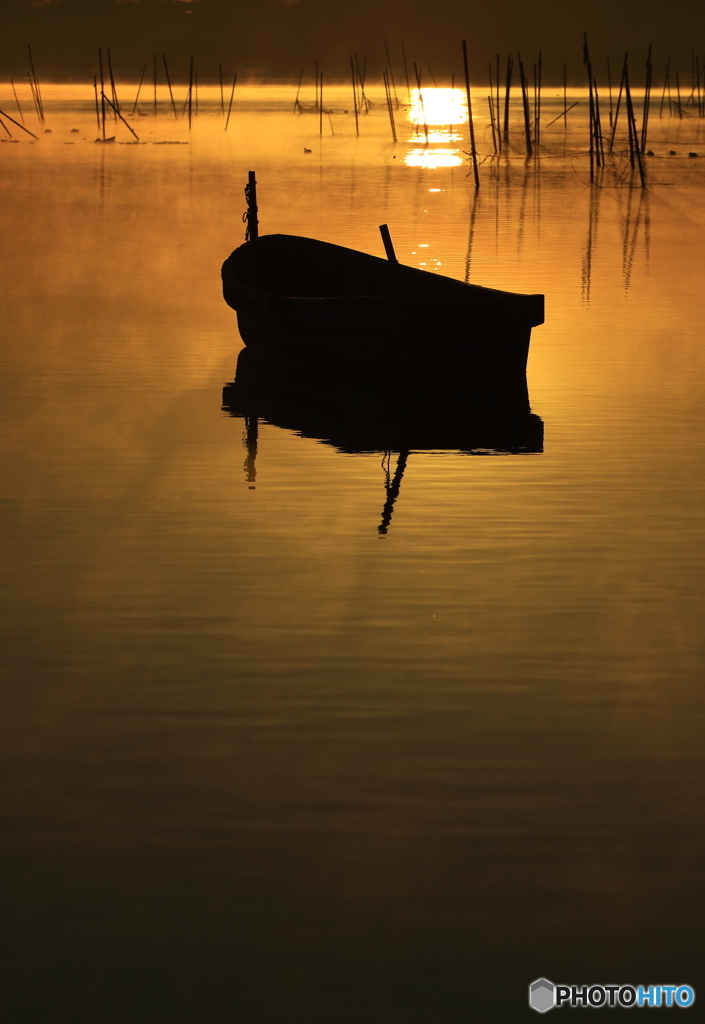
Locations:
column 263, row 761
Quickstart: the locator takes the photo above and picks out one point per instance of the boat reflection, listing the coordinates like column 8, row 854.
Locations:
column 361, row 414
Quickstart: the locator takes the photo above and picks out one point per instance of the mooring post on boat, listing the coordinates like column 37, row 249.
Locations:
column 388, row 247
column 250, row 217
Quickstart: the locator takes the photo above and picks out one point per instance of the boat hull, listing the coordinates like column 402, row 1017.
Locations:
column 388, row 315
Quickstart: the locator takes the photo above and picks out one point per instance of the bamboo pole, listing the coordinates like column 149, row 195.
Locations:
column 390, row 108
column 118, row 114
column 666, row 85
column 588, row 65
column 34, row 97
column 297, row 105
column 97, row 108
column 473, row 149
column 647, row 102
column 525, row 101
column 406, row 74
column 538, row 104
column 2, row 112
column 139, row 88
column 391, row 75
column 498, row 109
column 115, row 104
column 563, row 113
column 251, row 217
column 417, row 72
column 168, row 82
column 190, row 93
column 361, row 78
column 17, row 101
column 352, row 75
column 40, row 104
column 634, row 134
column 320, row 108
column 102, row 92
column 507, row 90
column 619, row 100
column 491, row 109
column 599, row 145
column 230, row 105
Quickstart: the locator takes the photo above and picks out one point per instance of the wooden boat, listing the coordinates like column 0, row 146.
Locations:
column 313, row 302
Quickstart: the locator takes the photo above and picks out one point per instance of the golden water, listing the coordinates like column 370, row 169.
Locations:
column 263, row 764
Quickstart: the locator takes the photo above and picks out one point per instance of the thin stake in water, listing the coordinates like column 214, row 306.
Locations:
column 406, row 74
column 102, row 92
column 525, row 101
column 168, row 82
column 507, row 91
column 320, row 109
column 2, row 112
column 115, row 104
column 40, row 105
column 473, row 149
column 390, row 108
column 391, row 75
column 352, row 75
column 16, row 100
column 297, row 105
column 139, row 89
column 118, row 114
column 230, row 105
column 97, row 108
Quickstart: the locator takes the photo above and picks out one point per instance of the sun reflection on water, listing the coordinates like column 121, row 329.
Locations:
column 436, row 115
column 431, row 158
column 438, row 107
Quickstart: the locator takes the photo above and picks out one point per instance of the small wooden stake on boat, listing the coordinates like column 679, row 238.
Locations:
column 388, row 246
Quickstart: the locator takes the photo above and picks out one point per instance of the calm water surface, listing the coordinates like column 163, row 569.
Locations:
column 262, row 763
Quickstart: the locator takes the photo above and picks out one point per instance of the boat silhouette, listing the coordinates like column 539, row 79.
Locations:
column 316, row 303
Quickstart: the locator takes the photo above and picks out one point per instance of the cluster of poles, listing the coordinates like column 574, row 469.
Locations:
column 601, row 141
column 36, row 99
column 190, row 106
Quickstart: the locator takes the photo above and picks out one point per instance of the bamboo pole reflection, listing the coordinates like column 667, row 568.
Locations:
column 249, row 441
column 392, row 486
